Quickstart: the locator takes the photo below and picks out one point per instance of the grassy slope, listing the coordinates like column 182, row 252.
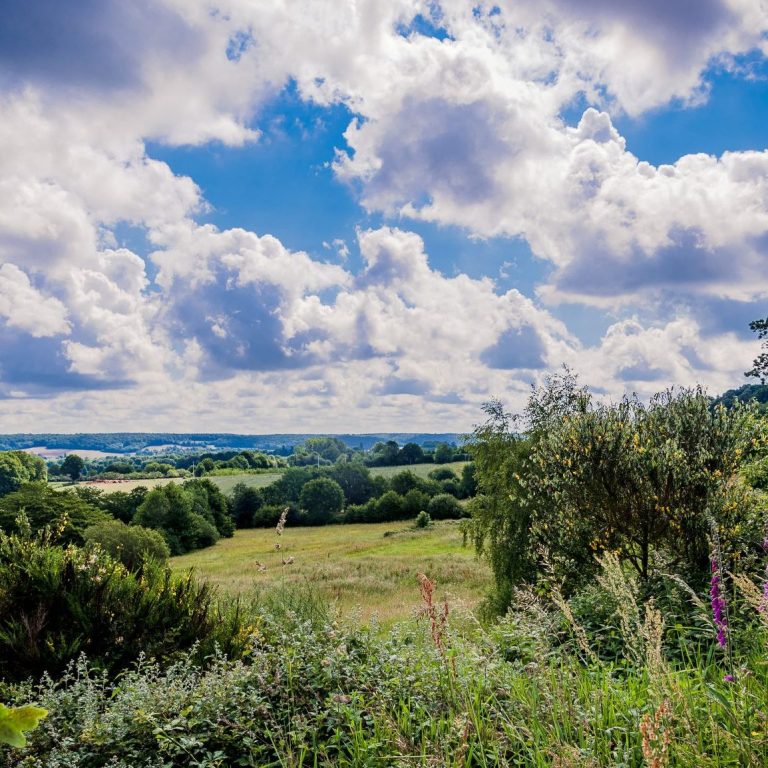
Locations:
column 355, row 566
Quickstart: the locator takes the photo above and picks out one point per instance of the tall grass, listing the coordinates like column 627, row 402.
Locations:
column 310, row 690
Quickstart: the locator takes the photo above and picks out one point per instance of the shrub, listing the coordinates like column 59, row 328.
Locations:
column 360, row 513
column 130, row 545
column 57, row 602
column 389, row 507
column 414, row 502
column 453, row 487
column 445, row 507
column 443, row 473
column 423, row 520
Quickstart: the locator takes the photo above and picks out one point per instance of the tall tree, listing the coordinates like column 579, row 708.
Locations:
column 73, row 466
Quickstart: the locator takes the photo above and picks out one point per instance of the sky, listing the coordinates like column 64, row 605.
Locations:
column 359, row 216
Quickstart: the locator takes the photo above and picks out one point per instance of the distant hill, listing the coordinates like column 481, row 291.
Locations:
column 145, row 442
column 744, row 394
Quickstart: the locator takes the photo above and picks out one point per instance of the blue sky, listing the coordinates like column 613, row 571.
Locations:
column 342, row 217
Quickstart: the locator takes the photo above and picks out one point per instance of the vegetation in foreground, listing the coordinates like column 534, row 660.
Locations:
column 309, row 691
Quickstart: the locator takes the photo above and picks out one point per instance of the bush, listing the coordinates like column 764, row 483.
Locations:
column 122, row 505
column 445, row 507
column 414, row 502
column 443, row 473
column 389, row 507
column 453, row 487
column 130, row 545
column 57, row 602
column 423, row 520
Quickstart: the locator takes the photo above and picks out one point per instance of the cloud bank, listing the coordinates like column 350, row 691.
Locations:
column 462, row 116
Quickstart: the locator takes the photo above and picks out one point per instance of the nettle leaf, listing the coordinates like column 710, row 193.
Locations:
column 14, row 721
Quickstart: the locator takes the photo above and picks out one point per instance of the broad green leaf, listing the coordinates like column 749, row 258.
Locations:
column 13, row 721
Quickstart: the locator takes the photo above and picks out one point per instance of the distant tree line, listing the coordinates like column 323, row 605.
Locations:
column 349, row 493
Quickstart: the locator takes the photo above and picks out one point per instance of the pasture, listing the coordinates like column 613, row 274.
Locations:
column 362, row 569
column 257, row 480
column 225, row 482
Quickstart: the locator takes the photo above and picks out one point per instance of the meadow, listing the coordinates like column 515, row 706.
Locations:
column 225, row 482
column 361, row 570
column 252, row 479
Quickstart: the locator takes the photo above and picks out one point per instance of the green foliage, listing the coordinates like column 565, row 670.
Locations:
column 468, row 481
column 443, row 453
column 355, row 480
column 18, row 468
column 500, row 526
column 405, row 481
column 66, row 512
column 445, row 507
column 57, row 602
column 73, row 466
column 443, row 473
column 642, row 480
column 130, row 545
column 322, row 499
column 327, row 449
column 423, row 520
column 388, row 507
column 760, row 364
column 308, row 692
column 122, row 505
column 211, row 504
column 246, row 502
column 410, row 453
column 169, row 509
column 414, row 502
column 14, row 721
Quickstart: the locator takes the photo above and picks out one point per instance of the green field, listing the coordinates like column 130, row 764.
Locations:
column 228, row 482
column 358, row 568
column 225, row 482
column 421, row 470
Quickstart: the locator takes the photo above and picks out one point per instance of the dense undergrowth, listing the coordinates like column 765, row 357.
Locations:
column 307, row 691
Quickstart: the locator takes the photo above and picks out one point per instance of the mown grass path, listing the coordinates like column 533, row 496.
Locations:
column 357, row 567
